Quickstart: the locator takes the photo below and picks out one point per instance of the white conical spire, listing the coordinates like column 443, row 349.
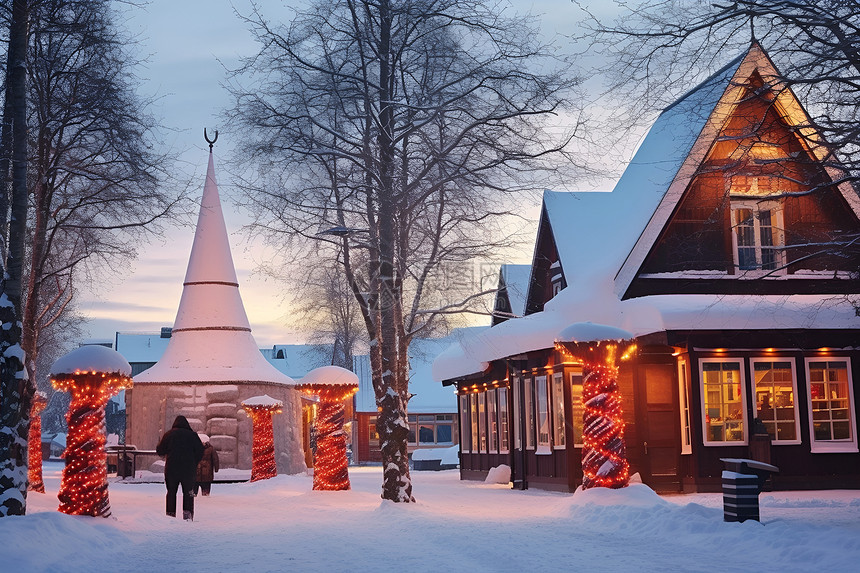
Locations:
column 211, row 340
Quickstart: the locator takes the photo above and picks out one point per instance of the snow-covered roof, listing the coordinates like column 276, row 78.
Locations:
column 264, row 401
column 296, row 360
column 91, row 358
column 141, row 346
column 602, row 238
column 329, row 376
column 429, row 397
column 516, row 279
column 211, row 339
column 591, row 332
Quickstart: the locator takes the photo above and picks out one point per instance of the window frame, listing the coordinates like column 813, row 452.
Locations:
column 504, row 421
column 473, row 421
column 775, row 206
column 482, row 422
column 541, row 383
column 752, row 383
column 516, row 390
column 492, row 422
column 465, row 437
column 557, row 408
column 684, row 409
column 577, row 423
column 743, row 391
column 832, row 446
column 530, row 441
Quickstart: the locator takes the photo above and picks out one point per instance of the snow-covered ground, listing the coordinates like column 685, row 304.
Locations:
column 281, row 525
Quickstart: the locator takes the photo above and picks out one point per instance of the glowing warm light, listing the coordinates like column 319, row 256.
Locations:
column 330, row 461
column 263, row 464
column 84, row 488
column 824, row 349
column 604, row 452
column 34, row 444
column 770, row 349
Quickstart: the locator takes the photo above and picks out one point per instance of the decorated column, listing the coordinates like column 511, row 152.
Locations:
column 92, row 374
column 34, row 444
column 333, row 385
column 261, row 409
column 604, row 454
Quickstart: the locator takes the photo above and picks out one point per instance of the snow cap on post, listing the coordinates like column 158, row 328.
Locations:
column 91, row 358
column 591, row 332
column 329, row 383
column 594, row 343
column 264, row 401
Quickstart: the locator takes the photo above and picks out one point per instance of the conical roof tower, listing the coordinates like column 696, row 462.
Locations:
column 211, row 340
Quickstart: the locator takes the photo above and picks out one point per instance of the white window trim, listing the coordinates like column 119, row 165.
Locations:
column 832, row 446
column 529, row 410
column 557, row 376
column 756, row 205
column 507, row 419
column 543, row 448
column 516, row 402
column 492, row 434
column 684, row 395
column 753, row 361
column 745, row 419
column 465, row 425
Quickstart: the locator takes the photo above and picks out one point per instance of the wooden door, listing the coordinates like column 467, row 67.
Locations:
column 660, row 428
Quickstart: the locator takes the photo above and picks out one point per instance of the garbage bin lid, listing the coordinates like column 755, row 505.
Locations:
column 752, row 464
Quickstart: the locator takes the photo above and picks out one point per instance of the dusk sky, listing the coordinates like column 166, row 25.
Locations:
column 190, row 43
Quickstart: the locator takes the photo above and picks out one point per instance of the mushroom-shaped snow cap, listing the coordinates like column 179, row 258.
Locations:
column 590, row 332
column 91, row 358
column 329, row 376
column 264, row 401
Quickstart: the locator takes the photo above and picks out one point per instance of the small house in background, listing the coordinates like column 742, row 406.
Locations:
column 725, row 248
column 432, row 409
column 513, row 287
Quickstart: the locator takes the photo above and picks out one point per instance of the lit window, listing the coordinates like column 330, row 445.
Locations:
column 374, row 435
column 464, row 424
column 517, row 387
column 482, row 420
column 775, row 404
column 577, row 409
column 558, row 410
column 473, row 417
column 530, row 414
column 831, row 399
column 542, row 407
column 426, row 429
column 492, row 422
column 684, row 394
column 503, row 420
column 723, row 401
column 758, row 236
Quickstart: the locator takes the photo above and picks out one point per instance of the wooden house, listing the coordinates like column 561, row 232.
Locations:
column 725, row 249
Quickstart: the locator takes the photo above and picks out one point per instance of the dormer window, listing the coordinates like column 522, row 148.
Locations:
column 758, row 237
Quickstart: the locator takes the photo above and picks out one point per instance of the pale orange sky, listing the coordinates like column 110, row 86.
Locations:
column 190, row 42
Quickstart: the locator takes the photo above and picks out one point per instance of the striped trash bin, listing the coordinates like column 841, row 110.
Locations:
column 742, row 483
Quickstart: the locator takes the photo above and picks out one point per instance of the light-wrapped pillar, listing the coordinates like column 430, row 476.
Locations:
column 261, row 409
column 604, row 453
column 92, row 374
column 34, row 444
column 333, row 385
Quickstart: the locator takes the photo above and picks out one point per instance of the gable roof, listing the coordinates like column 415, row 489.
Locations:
column 516, row 282
column 679, row 141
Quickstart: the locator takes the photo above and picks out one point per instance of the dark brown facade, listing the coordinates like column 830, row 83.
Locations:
column 759, row 215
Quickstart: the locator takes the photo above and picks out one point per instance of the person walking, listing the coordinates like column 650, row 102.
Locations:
column 207, row 467
column 182, row 449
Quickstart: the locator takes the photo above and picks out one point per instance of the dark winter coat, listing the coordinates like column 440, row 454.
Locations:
column 182, row 449
column 208, row 464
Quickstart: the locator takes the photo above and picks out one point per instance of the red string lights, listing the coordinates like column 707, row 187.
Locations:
column 34, row 444
column 84, row 490
column 334, row 386
column 261, row 409
column 92, row 374
column 604, row 453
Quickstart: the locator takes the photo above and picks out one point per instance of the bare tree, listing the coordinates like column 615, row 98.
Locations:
column 402, row 125
column 659, row 49
column 93, row 174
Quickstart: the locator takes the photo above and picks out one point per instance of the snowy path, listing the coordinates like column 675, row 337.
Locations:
column 280, row 525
